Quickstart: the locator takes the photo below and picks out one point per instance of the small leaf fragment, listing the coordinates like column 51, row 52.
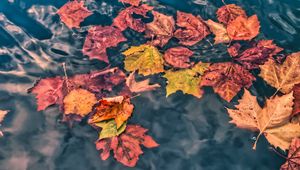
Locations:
column 141, row 86
column 131, row 2
column 219, row 30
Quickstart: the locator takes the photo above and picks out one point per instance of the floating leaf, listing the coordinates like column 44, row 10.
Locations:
column 141, row 86
column 131, row 2
column 230, row 12
column 178, row 57
column 99, row 39
column 219, row 30
column 160, row 29
column 243, row 28
column 126, row 147
column 79, row 102
column 234, row 50
column 282, row 77
column 186, row 80
column 109, row 129
column 73, row 13
column 227, row 79
column 193, row 29
column 144, row 58
column 293, row 159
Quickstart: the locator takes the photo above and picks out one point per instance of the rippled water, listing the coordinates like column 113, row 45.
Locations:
column 193, row 134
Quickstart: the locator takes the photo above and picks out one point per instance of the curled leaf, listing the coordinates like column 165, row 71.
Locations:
column 219, row 30
column 178, row 57
column 141, row 86
column 230, row 12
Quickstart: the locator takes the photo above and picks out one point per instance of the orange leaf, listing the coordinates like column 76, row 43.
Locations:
column 230, row 12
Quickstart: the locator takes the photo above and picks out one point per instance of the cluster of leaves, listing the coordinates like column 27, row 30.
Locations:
column 89, row 94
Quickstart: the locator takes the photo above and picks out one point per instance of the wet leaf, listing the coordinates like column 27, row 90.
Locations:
column 234, row 50
column 230, row 12
column 73, row 13
column 293, row 159
column 79, row 102
column 141, row 86
column 144, row 58
column 227, row 79
column 99, row 39
column 109, row 129
column 3, row 113
column 296, row 93
column 186, row 80
column 126, row 147
column 118, row 108
column 161, row 29
column 131, row 2
column 193, row 29
column 282, row 76
column 178, row 57
column 125, row 18
column 219, row 30
column 243, row 28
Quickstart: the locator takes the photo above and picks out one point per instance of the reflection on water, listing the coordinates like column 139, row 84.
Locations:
column 193, row 134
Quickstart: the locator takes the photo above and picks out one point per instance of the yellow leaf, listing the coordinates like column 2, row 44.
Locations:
column 145, row 58
column 186, row 80
column 80, row 102
column 282, row 77
column 109, row 129
column 219, row 30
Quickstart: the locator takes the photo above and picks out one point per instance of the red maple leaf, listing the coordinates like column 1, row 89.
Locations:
column 178, row 57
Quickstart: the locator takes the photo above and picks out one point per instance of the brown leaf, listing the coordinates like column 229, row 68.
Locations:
column 141, row 86
column 178, row 57
column 296, row 90
column 73, row 13
column 227, row 79
column 160, row 29
column 243, row 28
column 193, row 29
column 99, row 39
column 233, row 50
column 219, row 30
column 131, row 2
column 229, row 13
column 293, row 159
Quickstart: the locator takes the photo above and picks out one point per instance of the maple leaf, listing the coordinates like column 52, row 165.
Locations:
column 282, row 77
column 131, row 2
column 73, row 13
column 178, row 57
column 296, row 93
column 3, row 113
column 126, row 147
column 118, row 108
column 193, row 29
column 144, row 58
column 160, row 29
column 125, row 18
column 230, row 12
column 293, row 159
column 186, row 80
column 141, row 86
column 227, row 79
column 258, row 54
column 79, row 102
column 109, row 129
column 243, row 28
column 219, row 30
column 99, row 39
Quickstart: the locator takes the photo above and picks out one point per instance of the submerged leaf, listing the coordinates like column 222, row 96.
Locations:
column 141, row 86
column 131, row 2
column 109, row 129
column 178, row 57
column 230, row 12
column 219, row 30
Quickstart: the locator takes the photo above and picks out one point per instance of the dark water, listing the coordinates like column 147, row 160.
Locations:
column 193, row 134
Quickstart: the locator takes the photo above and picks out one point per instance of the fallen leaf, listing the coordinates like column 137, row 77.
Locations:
column 144, row 58
column 3, row 113
column 243, row 28
column 131, row 2
column 193, row 29
column 230, row 12
column 234, row 50
column 79, row 102
column 99, row 39
column 296, row 93
column 109, row 129
column 118, row 108
column 227, row 79
column 125, row 18
column 73, row 13
column 126, row 147
column 178, row 57
column 219, row 30
column 141, row 86
column 161, row 29
column 186, row 80
column 293, row 159
column 282, row 76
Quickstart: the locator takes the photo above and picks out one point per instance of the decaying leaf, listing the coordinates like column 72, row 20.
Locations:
column 109, row 129
column 126, row 147
column 296, row 93
column 141, row 86
column 293, row 159
column 230, row 12
column 73, row 13
column 125, row 18
column 178, row 57
column 99, row 39
column 161, row 29
column 118, row 108
column 186, row 80
column 282, row 77
column 227, row 79
column 79, row 102
column 144, row 58
column 243, row 28
column 193, row 29
column 131, row 2
column 219, row 30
